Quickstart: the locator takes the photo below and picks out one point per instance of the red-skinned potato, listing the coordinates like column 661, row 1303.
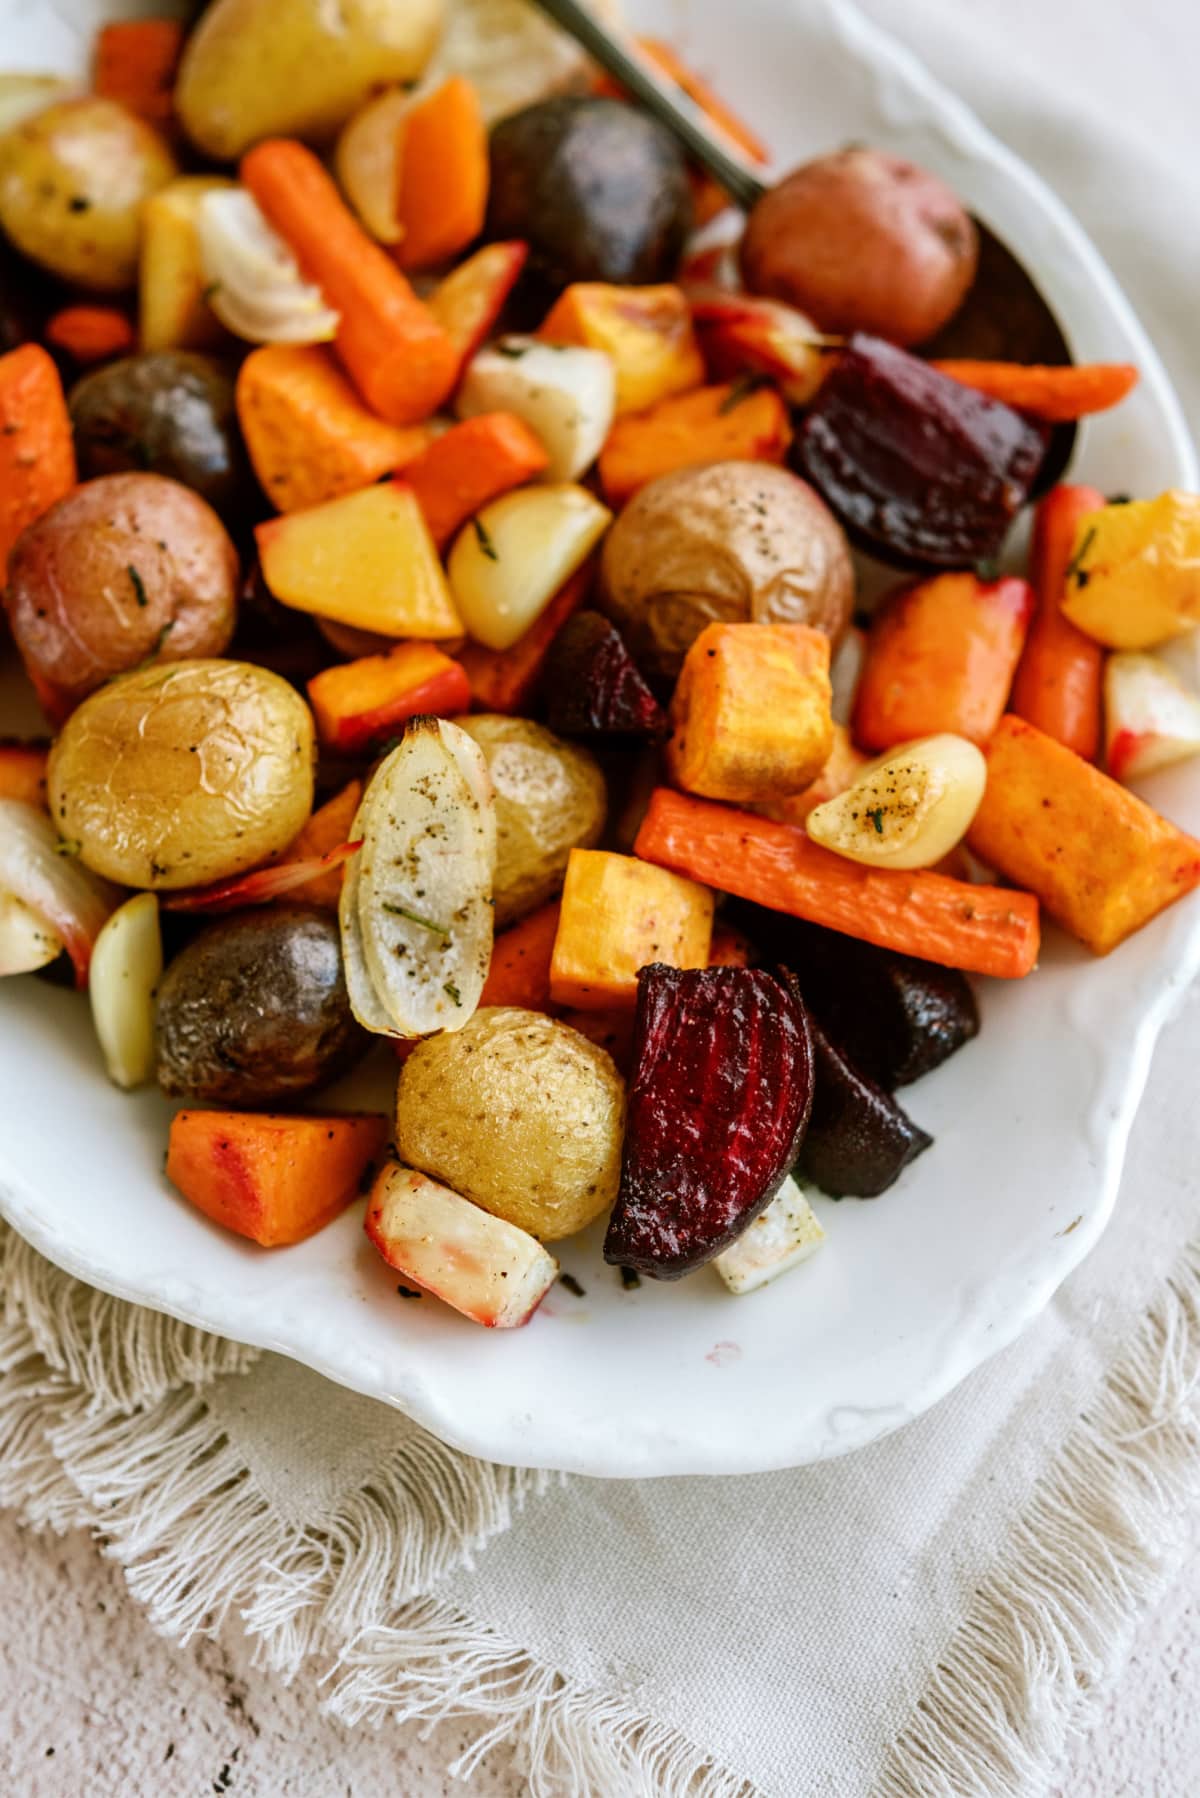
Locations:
column 123, row 568
column 863, row 241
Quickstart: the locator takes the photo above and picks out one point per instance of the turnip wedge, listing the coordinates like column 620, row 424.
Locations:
column 416, row 905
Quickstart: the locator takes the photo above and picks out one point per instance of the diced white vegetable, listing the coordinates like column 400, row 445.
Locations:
column 126, row 968
column 510, row 561
column 909, row 808
column 780, row 1237
column 486, row 1268
column 47, row 876
column 26, row 944
column 567, row 396
column 416, row 912
column 255, row 286
column 1150, row 718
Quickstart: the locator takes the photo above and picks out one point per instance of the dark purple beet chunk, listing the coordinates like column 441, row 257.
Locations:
column 922, row 470
column 718, row 1103
column 593, row 687
column 858, row 1140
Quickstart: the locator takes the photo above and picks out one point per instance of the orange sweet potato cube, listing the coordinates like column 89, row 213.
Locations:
column 1100, row 860
column 646, row 330
column 751, row 717
column 274, row 1179
column 361, row 702
column 618, row 915
column 731, row 423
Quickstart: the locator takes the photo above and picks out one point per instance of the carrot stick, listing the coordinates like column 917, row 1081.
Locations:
column 983, row 929
column 1060, row 673
column 520, row 970
column 1059, row 395
column 469, row 465
column 90, row 333
column 443, row 175
column 402, row 361
column 136, row 62
column 37, row 450
column 503, row 680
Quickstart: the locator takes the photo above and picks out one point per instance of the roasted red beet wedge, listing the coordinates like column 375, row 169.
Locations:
column 922, row 471
column 593, row 688
column 718, row 1104
column 858, row 1140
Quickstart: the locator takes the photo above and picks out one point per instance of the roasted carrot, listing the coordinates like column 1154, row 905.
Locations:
column 983, row 929
column 503, row 680
column 941, row 657
column 520, row 970
column 470, row 299
column 23, row 772
column 91, row 333
column 359, row 703
column 401, row 360
column 329, row 825
column 1100, row 860
column 274, row 1179
column 1060, row 674
column 472, row 463
column 136, row 63
column 37, row 449
column 443, row 175
column 1058, row 395
column 737, row 422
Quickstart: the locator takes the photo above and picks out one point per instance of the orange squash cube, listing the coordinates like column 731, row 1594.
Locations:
column 359, row 703
column 751, row 717
column 618, row 915
column 732, row 423
column 646, row 330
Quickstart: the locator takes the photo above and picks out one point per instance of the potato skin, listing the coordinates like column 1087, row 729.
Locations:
column 184, row 773
column 550, row 798
column 169, row 411
column 863, row 241
column 255, row 1009
column 72, row 181
column 727, row 543
column 519, row 1113
column 120, row 569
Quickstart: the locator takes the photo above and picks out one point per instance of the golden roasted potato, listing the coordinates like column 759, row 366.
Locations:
column 183, row 773
column 550, row 799
column 519, row 1113
column 72, row 182
column 728, row 543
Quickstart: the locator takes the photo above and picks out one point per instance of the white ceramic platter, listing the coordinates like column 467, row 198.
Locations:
column 911, row 1292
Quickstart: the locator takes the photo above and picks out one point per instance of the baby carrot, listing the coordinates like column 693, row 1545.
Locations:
column 37, row 450
column 90, row 333
column 443, row 175
column 1060, row 672
column 1058, row 395
column 467, row 466
column 982, row 929
column 402, row 361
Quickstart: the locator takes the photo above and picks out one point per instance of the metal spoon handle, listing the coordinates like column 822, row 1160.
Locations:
column 660, row 97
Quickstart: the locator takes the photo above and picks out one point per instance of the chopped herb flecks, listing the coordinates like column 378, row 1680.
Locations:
column 139, row 585
column 630, row 1278
column 1075, row 568
column 876, row 817
column 402, row 911
column 742, row 388
column 68, row 846
column 572, row 1285
column 452, row 992
column 485, row 543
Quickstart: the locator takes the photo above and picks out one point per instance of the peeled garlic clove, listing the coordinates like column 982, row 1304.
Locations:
column 908, row 809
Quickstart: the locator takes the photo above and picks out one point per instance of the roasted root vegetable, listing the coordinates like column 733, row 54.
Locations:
column 274, row 1179
column 506, row 680
column 565, row 396
column 1131, row 579
column 359, row 703
column 252, row 278
column 173, row 312
column 1056, row 395
column 90, row 333
column 37, row 454
column 442, row 199
column 1100, row 860
column 858, row 1141
column 1150, row 718
column 841, row 769
column 416, row 902
column 309, row 435
column 468, row 301
column 264, row 885
column 751, row 718
column 167, row 412
column 941, row 656
column 780, row 1238
column 23, row 772
column 742, row 335
column 364, row 559
column 183, row 773
column 519, row 973
column 719, row 1100
column 593, row 688
column 738, row 422
column 127, row 964
column 731, row 542
column 470, row 465
column 550, row 799
column 508, row 563
column 907, row 810
column 1058, row 680
column 646, row 331
column 618, row 915
column 136, row 62
column 22, row 95
column 494, row 1273
column 366, row 161
column 398, row 356
column 518, row 1113
column 27, row 943
column 924, row 471
column 984, row 930
column 325, row 833
column 68, row 903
